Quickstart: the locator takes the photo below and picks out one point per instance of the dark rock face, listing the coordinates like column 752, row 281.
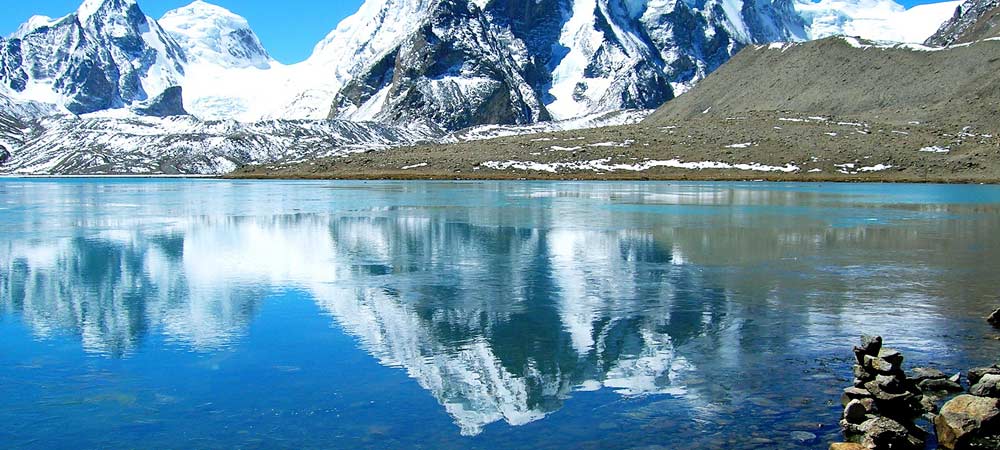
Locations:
column 974, row 20
column 96, row 62
column 468, row 66
column 452, row 71
column 883, row 432
column 994, row 318
column 169, row 103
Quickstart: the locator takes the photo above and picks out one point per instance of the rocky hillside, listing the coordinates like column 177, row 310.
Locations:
column 184, row 144
column 974, row 20
column 848, row 77
column 837, row 109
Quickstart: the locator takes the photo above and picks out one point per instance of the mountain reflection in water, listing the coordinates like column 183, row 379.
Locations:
column 502, row 312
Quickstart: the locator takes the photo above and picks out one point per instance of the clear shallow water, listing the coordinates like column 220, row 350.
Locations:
column 200, row 314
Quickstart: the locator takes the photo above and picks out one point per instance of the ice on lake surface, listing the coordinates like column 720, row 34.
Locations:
column 207, row 313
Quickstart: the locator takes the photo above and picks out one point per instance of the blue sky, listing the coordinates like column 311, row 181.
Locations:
column 288, row 28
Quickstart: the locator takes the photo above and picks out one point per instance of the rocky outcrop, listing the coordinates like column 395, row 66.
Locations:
column 974, row 20
column 969, row 422
column 880, row 409
column 169, row 103
column 994, row 318
column 978, row 373
column 987, row 386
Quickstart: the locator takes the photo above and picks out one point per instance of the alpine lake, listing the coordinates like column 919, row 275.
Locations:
column 188, row 313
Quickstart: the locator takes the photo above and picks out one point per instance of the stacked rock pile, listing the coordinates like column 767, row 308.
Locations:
column 881, row 408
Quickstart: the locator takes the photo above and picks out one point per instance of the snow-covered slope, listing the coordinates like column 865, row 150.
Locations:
column 210, row 34
column 626, row 117
column 186, row 145
column 228, row 74
column 106, row 55
column 880, row 20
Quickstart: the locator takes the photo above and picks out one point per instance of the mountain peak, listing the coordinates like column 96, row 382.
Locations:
column 91, row 7
column 212, row 34
column 33, row 23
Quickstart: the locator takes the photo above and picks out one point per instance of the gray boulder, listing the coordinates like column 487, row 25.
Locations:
column 939, row 385
column 855, row 412
column 979, row 372
column 870, row 346
column 988, row 386
column 883, row 432
column 969, row 422
column 925, row 373
column 854, row 393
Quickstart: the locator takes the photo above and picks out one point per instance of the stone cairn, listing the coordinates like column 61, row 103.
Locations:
column 881, row 408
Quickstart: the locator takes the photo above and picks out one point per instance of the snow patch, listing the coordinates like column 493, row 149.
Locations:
column 604, row 165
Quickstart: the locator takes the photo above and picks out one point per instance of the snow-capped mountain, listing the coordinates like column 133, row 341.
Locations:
column 351, row 48
column 418, row 68
column 467, row 63
column 106, row 55
column 454, row 63
column 878, row 20
column 228, row 73
column 211, row 34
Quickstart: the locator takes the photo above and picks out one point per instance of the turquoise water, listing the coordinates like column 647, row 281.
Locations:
column 206, row 313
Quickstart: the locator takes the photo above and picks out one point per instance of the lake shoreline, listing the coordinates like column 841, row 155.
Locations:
column 770, row 178
column 770, row 146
